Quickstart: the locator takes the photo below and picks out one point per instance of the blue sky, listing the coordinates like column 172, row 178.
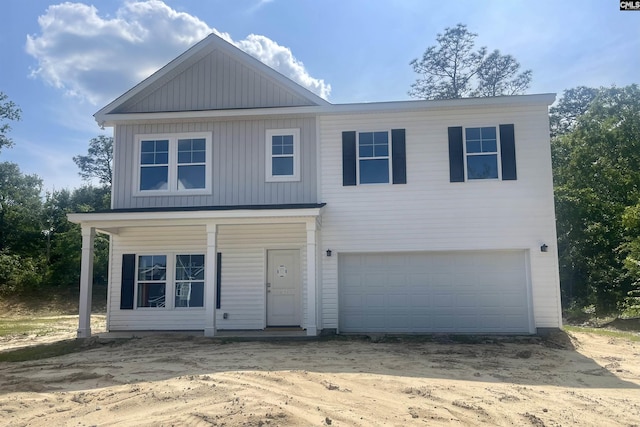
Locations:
column 62, row 62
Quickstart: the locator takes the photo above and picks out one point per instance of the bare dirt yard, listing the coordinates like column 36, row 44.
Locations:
column 573, row 378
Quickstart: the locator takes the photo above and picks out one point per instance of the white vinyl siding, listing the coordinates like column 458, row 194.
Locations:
column 243, row 249
column 430, row 213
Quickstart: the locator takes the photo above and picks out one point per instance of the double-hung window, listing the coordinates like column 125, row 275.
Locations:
column 174, row 163
column 189, row 283
column 481, row 146
column 482, row 153
column 159, row 276
column 152, row 280
column 373, row 157
column 282, row 155
column 377, row 157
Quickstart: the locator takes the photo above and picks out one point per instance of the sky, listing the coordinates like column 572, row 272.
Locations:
column 63, row 61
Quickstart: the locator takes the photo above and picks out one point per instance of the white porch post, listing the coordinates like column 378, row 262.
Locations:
column 210, row 292
column 312, row 327
column 86, row 281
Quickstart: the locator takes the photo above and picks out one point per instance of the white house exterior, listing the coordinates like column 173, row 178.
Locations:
column 241, row 201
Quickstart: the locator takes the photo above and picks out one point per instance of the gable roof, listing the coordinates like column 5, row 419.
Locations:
column 211, row 75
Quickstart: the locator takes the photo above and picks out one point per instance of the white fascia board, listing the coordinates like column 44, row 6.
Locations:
column 110, row 219
column 360, row 108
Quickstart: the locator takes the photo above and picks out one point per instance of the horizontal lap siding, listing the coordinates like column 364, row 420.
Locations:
column 429, row 213
column 153, row 240
column 238, row 165
column 243, row 251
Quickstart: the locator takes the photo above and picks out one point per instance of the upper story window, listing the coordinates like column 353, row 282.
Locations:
column 283, row 155
column 373, row 157
column 482, row 153
column 174, row 163
column 481, row 146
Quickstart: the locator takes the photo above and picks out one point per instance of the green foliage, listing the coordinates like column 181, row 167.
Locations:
column 454, row 69
column 18, row 274
column 98, row 162
column 8, row 111
column 20, row 206
column 65, row 239
column 596, row 159
column 38, row 246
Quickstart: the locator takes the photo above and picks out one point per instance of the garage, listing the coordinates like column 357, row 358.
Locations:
column 429, row 292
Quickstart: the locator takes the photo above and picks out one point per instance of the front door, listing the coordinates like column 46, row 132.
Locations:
column 283, row 287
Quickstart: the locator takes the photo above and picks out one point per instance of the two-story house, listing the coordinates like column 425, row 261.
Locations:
column 242, row 201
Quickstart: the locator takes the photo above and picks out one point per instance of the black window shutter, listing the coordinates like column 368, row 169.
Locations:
column 399, row 156
column 456, row 155
column 348, row 158
column 128, row 281
column 218, row 278
column 508, row 152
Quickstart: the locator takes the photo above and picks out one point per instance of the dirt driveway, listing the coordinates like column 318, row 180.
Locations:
column 577, row 379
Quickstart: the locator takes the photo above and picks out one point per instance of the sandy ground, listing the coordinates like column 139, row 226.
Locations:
column 577, row 379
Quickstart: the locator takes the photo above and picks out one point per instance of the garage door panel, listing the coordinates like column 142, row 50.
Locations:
column 466, row 292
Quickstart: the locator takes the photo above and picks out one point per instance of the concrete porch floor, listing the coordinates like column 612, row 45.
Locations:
column 259, row 334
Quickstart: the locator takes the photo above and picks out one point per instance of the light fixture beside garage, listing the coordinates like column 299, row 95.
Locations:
column 544, row 248
column 328, row 252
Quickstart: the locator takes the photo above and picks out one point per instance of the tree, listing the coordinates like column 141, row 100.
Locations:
column 454, row 69
column 597, row 182
column 497, row 76
column 573, row 104
column 8, row 111
column 64, row 238
column 21, row 238
column 98, row 162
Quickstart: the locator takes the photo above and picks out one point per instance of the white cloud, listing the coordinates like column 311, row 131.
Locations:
column 281, row 59
column 96, row 58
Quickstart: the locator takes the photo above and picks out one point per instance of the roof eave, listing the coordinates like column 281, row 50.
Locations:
column 545, row 99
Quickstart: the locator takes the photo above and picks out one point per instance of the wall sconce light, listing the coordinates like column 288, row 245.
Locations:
column 544, row 248
column 328, row 252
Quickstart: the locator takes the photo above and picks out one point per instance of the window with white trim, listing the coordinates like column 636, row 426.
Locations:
column 282, row 155
column 176, row 163
column 373, row 157
column 151, row 280
column 189, row 283
column 161, row 275
column 481, row 152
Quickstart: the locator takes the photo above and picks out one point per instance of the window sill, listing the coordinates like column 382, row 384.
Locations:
column 282, row 179
column 151, row 193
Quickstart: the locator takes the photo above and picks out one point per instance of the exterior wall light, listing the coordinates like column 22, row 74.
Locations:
column 544, row 248
column 328, row 252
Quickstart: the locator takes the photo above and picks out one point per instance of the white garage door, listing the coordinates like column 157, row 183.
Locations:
column 457, row 292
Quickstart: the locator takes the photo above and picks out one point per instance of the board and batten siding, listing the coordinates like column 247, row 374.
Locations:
column 212, row 81
column 244, row 251
column 238, row 165
column 429, row 213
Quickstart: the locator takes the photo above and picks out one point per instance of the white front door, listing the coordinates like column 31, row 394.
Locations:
column 283, row 287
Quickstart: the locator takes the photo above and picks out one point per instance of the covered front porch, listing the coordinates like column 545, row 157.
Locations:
column 246, row 249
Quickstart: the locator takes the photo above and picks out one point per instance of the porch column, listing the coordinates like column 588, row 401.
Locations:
column 210, row 272
column 312, row 327
column 86, row 281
